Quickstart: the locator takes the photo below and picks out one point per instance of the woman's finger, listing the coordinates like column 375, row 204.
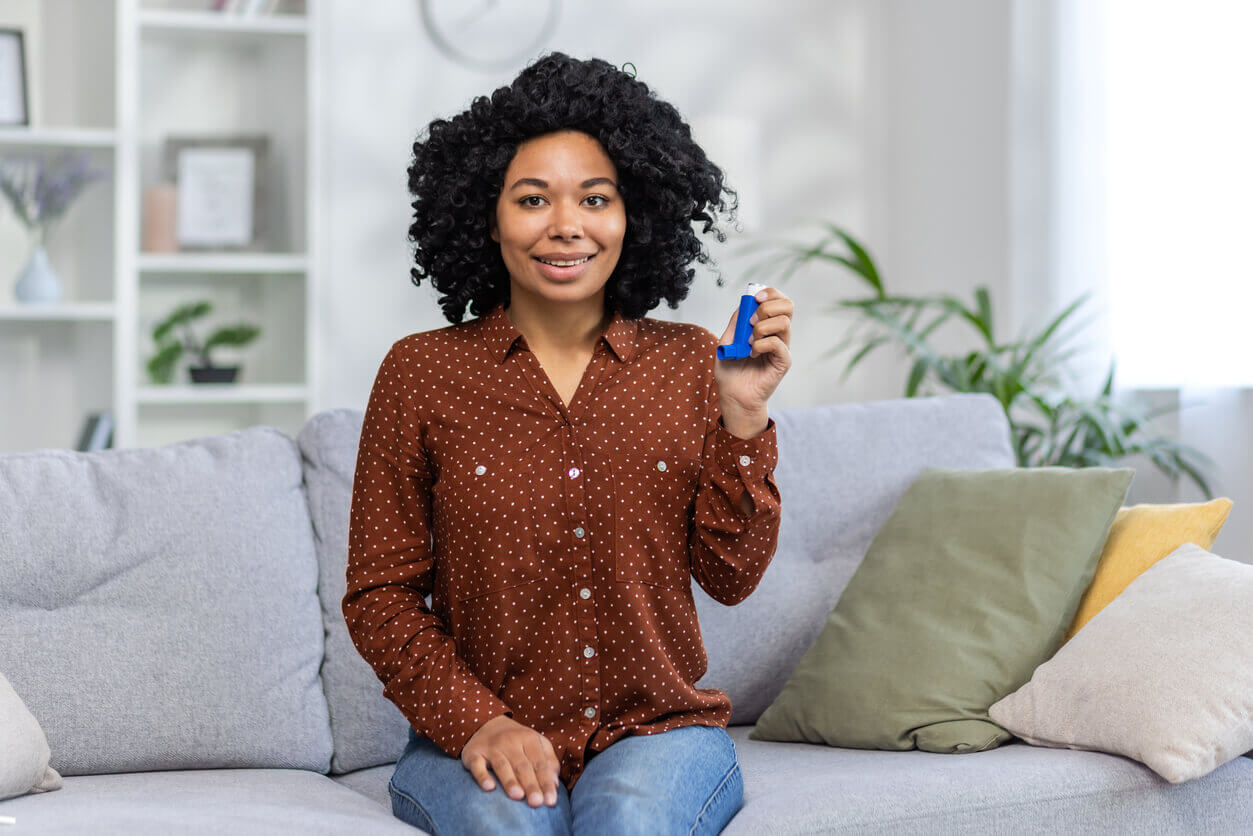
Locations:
column 508, row 779
column 478, row 768
column 767, row 345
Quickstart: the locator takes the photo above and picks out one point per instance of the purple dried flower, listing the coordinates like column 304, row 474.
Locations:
column 38, row 192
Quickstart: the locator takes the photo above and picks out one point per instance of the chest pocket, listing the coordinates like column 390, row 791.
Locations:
column 485, row 524
column 654, row 488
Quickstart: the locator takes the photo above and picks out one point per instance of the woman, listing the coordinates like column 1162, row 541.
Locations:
column 555, row 472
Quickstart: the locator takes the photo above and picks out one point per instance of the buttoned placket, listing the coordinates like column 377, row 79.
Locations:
column 572, row 458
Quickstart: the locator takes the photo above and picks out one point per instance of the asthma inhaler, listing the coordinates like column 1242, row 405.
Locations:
column 740, row 348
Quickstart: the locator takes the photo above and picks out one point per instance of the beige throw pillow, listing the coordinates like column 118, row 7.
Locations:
column 24, row 752
column 1163, row 674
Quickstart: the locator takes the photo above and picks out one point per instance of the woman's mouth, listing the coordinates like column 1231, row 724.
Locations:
column 563, row 270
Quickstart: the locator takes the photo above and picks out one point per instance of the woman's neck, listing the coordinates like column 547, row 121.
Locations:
column 557, row 330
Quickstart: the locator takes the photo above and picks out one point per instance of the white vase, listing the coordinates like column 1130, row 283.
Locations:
column 38, row 282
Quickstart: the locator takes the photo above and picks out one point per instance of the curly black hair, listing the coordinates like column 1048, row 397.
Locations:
column 666, row 181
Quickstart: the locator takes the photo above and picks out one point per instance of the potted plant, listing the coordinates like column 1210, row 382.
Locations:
column 1049, row 425
column 170, row 347
column 39, row 193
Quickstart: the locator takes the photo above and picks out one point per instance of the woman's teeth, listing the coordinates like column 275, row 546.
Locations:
column 563, row 263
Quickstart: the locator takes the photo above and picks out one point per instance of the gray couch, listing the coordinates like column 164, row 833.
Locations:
column 171, row 616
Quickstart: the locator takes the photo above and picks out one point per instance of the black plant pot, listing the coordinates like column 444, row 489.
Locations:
column 213, row 374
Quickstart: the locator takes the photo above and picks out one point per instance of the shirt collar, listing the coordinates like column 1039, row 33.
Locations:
column 501, row 334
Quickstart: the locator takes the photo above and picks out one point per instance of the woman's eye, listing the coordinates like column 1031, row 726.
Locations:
column 524, row 200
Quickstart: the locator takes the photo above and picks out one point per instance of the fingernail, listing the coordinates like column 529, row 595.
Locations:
column 760, row 296
column 752, row 319
column 536, row 798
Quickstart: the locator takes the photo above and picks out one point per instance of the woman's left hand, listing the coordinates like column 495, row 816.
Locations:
column 745, row 385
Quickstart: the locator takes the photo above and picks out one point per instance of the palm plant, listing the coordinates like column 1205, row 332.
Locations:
column 1049, row 425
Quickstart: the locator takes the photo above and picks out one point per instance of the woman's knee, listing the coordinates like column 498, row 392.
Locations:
column 434, row 791
column 496, row 812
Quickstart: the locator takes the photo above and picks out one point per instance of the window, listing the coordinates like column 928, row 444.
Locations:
column 1178, row 177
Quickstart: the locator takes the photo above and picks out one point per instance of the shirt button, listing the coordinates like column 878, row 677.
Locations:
column 480, row 470
column 578, row 532
column 745, row 460
column 589, row 711
column 661, row 465
column 574, row 472
column 589, row 651
column 585, row 593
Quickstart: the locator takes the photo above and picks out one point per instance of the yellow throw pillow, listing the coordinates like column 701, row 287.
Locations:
column 1140, row 536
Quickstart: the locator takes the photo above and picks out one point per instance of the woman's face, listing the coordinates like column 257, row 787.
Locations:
column 560, row 201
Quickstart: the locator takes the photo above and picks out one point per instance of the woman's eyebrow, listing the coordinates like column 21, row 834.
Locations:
column 543, row 184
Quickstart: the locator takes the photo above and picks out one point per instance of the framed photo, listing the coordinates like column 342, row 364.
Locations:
column 221, row 192
column 14, row 106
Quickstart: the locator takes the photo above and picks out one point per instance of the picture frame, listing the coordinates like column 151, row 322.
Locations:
column 222, row 194
column 14, row 93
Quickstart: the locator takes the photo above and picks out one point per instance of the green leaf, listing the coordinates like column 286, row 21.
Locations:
column 161, row 365
column 984, row 306
column 235, row 335
column 865, row 264
column 916, row 374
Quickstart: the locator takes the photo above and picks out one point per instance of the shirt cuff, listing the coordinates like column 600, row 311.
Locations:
column 748, row 461
column 453, row 736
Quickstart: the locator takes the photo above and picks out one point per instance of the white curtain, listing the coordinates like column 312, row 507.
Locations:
column 1131, row 179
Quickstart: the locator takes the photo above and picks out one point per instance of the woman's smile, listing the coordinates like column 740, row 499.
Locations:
column 563, row 271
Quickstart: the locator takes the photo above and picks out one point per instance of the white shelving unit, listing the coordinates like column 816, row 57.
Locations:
column 170, row 69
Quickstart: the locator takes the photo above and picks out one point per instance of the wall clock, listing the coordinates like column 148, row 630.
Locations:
column 489, row 34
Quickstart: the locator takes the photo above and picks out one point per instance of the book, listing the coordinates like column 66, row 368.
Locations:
column 97, row 432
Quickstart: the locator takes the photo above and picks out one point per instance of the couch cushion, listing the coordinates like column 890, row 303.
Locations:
column 808, row 788
column 370, row 782
column 1016, row 788
column 203, row 802
column 158, row 605
column 24, row 752
column 368, row 728
column 842, row 469
column 1163, row 674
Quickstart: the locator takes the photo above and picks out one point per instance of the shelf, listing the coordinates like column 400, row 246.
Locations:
column 61, row 312
column 216, row 25
column 114, row 80
column 223, row 262
column 19, row 137
column 222, row 393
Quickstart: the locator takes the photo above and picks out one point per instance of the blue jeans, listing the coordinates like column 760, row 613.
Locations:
column 683, row 781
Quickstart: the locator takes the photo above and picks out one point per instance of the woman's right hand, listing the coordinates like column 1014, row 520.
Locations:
column 523, row 759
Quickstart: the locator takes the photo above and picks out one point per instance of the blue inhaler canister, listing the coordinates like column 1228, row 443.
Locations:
column 740, row 347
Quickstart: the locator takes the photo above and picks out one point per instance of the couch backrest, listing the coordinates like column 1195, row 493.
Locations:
column 158, row 606
column 368, row 729
column 842, row 468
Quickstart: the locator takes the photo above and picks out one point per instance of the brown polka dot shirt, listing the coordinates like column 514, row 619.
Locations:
column 557, row 543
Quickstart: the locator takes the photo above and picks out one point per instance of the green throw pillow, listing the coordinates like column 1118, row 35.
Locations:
column 967, row 589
